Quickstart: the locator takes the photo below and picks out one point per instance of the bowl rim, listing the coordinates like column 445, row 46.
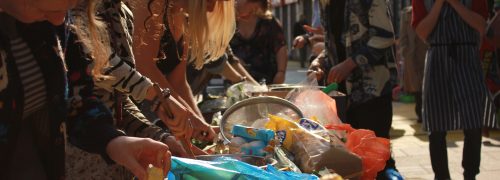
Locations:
column 255, row 100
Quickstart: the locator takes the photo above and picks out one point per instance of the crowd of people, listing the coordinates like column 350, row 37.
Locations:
column 104, row 88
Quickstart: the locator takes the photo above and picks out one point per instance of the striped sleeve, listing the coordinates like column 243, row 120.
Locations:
column 381, row 36
column 125, row 79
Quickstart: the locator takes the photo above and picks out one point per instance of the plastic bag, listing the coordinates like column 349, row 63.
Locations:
column 374, row 151
column 241, row 91
column 306, row 146
column 251, row 141
column 314, row 103
column 227, row 168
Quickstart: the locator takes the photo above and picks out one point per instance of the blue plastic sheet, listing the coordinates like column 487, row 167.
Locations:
column 228, row 168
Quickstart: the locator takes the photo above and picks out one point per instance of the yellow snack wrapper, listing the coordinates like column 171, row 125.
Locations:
column 284, row 130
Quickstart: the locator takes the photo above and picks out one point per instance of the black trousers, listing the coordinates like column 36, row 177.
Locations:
column 375, row 115
column 471, row 156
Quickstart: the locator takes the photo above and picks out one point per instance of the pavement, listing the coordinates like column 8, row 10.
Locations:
column 410, row 145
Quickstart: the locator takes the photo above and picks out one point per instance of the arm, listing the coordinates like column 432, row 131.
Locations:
column 472, row 18
column 281, row 60
column 236, row 64
column 279, row 49
column 425, row 26
column 371, row 53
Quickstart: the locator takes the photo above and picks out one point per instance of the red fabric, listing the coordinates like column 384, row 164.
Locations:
column 420, row 11
column 480, row 7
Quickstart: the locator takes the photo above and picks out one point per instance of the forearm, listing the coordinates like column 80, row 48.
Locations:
column 231, row 74
column 134, row 123
column 281, row 61
column 472, row 18
column 182, row 90
column 426, row 26
column 241, row 70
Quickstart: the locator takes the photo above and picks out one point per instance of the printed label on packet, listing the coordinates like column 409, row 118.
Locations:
column 281, row 136
column 309, row 124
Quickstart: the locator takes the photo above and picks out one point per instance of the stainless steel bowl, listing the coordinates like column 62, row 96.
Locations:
column 248, row 112
column 258, row 161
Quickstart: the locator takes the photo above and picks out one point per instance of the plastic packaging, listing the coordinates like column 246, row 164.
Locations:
column 227, row 168
column 306, row 146
column 374, row 151
column 251, row 141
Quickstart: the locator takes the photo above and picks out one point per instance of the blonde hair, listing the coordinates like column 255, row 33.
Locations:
column 94, row 36
column 209, row 32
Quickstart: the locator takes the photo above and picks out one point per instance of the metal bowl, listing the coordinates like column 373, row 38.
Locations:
column 250, row 111
column 258, row 161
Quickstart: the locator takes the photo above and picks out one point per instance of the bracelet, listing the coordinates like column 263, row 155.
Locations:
column 160, row 94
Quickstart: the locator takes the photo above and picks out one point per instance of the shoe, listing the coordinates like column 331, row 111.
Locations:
column 393, row 174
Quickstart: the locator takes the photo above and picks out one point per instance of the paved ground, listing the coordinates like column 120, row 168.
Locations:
column 410, row 143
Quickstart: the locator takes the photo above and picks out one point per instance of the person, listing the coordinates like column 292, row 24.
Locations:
column 298, row 29
column 113, row 91
column 454, row 94
column 167, row 41
column 412, row 50
column 33, row 100
column 259, row 42
column 359, row 56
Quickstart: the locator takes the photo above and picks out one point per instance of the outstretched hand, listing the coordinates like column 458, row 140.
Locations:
column 137, row 153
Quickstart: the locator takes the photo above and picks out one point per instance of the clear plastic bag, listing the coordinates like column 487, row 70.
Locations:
column 306, row 146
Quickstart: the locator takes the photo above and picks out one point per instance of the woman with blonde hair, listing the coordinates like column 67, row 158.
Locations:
column 173, row 34
column 259, row 41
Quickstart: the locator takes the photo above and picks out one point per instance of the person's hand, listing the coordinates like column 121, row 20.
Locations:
column 137, row 153
column 341, row 71
column 279, row 77
column 179, row 124
column 299, row 42
column 201, row 130
column 310, row 29
column 175, row 147
column 178, row 150
column 315, row 68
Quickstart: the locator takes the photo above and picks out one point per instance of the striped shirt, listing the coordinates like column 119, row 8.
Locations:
column 31, row 76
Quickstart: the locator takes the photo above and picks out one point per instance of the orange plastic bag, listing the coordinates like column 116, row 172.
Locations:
column 374, row 151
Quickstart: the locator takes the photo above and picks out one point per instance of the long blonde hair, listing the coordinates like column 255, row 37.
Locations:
column 209, row 32
column 93, row 34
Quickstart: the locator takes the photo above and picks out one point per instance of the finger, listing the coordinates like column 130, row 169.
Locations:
column 136, row 169
column 167, row 160
column 198, row 151
column 309, row 28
